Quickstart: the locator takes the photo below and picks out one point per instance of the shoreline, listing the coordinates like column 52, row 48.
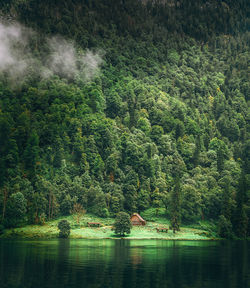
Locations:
column 107, row 238
column 12, row 234
column 81, row 231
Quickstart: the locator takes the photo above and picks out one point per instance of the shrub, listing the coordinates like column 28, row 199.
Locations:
column 16, row 209
column 42, row 219
column 104, row 213
column 64, row 228
column 122, row 224
column 224, row 227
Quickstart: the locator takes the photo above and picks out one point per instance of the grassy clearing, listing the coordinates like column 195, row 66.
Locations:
column 155, row 215
column 78, row 231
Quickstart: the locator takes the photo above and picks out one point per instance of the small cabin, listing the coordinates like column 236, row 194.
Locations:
column 136, row 219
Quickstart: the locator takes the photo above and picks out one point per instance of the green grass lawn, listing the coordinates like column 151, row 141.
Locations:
column 50, row 230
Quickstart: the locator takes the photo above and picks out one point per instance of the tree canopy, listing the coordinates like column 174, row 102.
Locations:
column 106, row 104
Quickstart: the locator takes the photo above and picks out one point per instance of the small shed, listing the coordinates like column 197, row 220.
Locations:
column 136, row 219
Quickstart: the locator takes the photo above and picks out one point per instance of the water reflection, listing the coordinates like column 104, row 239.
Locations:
column 123, row 263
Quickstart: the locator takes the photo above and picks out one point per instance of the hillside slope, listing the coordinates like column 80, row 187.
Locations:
column 125, row 105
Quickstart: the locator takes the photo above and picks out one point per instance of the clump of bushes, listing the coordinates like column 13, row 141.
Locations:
column 64, row 228
column 225, row 228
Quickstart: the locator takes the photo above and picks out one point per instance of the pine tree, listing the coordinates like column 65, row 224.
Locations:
column 31, row 153
column 241, row 219
column 226, row 200
column 197, row 150
column 175, row 205
column 220, row 159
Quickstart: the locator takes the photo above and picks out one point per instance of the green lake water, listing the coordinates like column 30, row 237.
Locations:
column 124, row 263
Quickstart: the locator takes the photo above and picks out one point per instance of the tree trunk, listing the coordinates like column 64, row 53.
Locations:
column 52, row 206
column 49, row 204
column 5, row 194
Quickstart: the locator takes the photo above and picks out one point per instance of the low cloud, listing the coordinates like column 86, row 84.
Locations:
column 91, row 62
column 14, row 53
column 62, row 57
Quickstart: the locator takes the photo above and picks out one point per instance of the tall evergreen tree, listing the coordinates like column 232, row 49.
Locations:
column 240, row 217
column 175, row 205
column 31, row 153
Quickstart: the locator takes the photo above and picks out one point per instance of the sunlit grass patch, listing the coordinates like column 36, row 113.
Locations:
column 81, row 230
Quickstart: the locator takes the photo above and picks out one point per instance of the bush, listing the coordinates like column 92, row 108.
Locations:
column 122, row 224
column 225, row 227
column 64, row 228
column 42, row 219
column 16, row 209
column 104, row 213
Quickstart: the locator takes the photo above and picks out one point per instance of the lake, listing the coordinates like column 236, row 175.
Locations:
column 124, row 263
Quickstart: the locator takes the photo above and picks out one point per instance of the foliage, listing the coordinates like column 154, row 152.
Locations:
column 191, row 204
column 175, row 205
column 64, row 228
column 168, row 105
column 224, row 228
column 241, row 219
column 149, row 231
column 78, row 211
column 122, row 224
column 15, row 210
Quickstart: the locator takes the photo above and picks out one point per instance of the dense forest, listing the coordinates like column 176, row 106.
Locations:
column 125, row 105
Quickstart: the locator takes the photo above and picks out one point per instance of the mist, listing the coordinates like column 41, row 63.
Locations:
column 15, row 57
column 61, row 58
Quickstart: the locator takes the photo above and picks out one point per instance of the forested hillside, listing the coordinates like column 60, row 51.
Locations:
column 125, row 105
